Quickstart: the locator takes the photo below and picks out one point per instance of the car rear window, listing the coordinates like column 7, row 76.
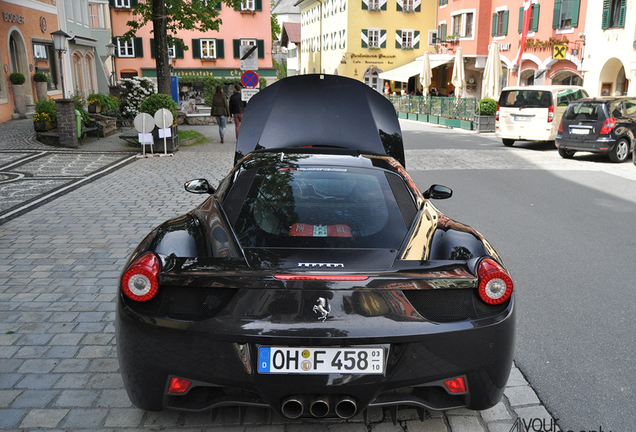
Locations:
column 525, row 98
column 318, row 207
column 585, row 111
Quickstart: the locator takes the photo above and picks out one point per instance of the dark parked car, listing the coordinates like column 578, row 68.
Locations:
column 599, row 125
column 316, row 280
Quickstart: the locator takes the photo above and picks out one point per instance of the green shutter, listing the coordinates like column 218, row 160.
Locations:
column 505, row 23
column 416, row 34
column 398, row 33
column 260, row 43
column 398, row 7
column 153, row 51
column 220, row 48
column 383, row 34
column 606, row 14
column 111, row 3
column 218, row 6
column 621, row 14
column 418, row 8
column 258, row 5
column 196, row 49
column 383, row 7
column 535, row 17
column 179, row 51
column 556, row 18
column 576, row 7
column 521, row 19
column 365, row 6
column 133, row 3
column 237, row 48
column 444, row 28
column 139, row 47
column 365, row 44
column 493, row 32
column 114, row 40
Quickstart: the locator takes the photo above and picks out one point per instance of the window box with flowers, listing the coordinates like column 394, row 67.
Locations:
column 42, row 122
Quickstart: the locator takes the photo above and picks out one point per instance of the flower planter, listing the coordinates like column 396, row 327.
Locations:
column 402, row 115
column 422, row 117
column 484, row 123
column 412, row 116
column 172, row 143
column 41, row 90
column 43, row 126
column 19, row 98
column 466, row 124
column 433, row 119
column 455, row 123
column 94, row 108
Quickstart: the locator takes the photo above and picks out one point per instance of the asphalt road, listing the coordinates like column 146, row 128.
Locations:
column 567, row 238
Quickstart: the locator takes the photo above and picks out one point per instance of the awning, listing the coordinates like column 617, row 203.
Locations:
column 403, row 73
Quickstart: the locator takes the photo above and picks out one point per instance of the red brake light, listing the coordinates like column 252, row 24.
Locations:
column 321, row 277
column 179, row 385
column 561, row 126
column 141, row 280
column 550, row 113
column 608, row 125
column 456, row 385
column 495, row 285
column 497, row 113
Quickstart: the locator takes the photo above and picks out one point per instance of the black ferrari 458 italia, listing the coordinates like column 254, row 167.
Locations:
column 316, row 280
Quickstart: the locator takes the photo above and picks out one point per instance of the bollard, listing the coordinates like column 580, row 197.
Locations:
column 78, row 121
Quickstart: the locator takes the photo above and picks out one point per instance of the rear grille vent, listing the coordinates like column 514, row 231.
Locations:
column 185, row 303
column 447, row 305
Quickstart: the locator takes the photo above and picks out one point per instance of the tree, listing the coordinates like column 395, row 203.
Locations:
column 275, row 24
column 168, row 18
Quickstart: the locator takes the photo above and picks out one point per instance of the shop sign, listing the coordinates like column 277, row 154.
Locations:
column 13, row 18
column 545, row 44
column 372, row 58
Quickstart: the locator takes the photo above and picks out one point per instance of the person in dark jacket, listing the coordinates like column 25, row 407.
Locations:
column 220, row 110
column 236, row 108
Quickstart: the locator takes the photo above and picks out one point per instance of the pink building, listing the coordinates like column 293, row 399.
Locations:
column 214, row 53
column 553, row 49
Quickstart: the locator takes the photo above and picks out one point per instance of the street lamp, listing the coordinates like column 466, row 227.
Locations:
column 59, row 44
column 111, row 52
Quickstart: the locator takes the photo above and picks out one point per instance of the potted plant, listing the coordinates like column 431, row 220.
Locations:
column 17, row 86
column 41, row 85
column 485, row 115
column 45, row 117
column 151, row 105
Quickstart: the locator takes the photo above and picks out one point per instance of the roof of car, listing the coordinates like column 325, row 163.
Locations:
column 543, row 87
column 320, row 110
column 604, row 99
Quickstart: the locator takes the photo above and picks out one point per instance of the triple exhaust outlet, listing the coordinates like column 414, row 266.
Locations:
column 319, row 406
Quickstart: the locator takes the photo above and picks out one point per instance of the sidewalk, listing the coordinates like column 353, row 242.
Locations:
column 59, row 270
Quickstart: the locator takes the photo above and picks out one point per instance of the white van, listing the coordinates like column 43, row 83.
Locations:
column 533, row 113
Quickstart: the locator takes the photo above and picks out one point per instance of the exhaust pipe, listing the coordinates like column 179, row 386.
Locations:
column 319, row 407
column 293, row 407
column 346, row 407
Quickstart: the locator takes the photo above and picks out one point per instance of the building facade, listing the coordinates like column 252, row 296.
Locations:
column 214, row 53
column 361, row 39
column 26, row 46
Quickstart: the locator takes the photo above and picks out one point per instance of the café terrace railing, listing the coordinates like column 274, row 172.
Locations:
column 449, row 111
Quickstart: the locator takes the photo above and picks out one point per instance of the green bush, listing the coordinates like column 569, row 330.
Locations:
column 45, row 110
column 40, row 77
column 487, row 106
column 17, row 78
column 155, row 102
column 80, row 104
column 105, row 101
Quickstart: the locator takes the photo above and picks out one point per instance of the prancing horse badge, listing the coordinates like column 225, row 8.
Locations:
column 323, row 308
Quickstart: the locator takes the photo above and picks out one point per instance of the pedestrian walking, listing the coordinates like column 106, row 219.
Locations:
column 220, row 110
column 236, row 108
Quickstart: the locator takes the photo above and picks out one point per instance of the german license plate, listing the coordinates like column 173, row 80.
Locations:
column 522, row 118
column 285, row 360
column 575, row 131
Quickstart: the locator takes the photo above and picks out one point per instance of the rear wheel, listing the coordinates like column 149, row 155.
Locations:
column 565, row 153
column 508, row 142
column 621, row 151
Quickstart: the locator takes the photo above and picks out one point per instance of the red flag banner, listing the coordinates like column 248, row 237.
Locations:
column 527, row 14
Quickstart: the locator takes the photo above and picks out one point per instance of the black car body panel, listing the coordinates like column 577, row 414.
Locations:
column 325, row 105
column 315, row 250
column 581, row 126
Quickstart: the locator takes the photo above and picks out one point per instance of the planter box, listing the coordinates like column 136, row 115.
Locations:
column 455, row 123
column 466, row 124
column 412, row 116
column 484, row 123
column 433, row 119
column 172, row 143
column 422, row 117
column 402, row 115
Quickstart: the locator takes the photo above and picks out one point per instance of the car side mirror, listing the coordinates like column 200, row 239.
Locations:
column 199, row 186
column 438, row 192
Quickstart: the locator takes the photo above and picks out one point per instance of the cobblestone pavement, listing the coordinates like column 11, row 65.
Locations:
column 59, row 270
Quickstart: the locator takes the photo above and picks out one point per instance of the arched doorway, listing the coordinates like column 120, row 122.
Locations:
column 18, row 54
column 612, row 79
column 372, row 78
column 566, row 77
column 78, row 74
column 527, row 77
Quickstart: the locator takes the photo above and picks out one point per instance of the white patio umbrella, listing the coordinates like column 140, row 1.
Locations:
column 426, row 75
column 491, row 86
column 459, row 76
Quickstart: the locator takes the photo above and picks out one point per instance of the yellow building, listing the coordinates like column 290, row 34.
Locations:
column 362, row 38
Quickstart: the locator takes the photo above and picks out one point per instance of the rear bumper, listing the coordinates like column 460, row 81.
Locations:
column 601, row 145
column 220, row 358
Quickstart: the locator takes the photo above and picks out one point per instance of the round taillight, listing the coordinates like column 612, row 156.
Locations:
column 141, row 281
column 495, row 285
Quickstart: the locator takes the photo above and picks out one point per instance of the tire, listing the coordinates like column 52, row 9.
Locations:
column 621, row 151
column 565, row 153
column 508, row 142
